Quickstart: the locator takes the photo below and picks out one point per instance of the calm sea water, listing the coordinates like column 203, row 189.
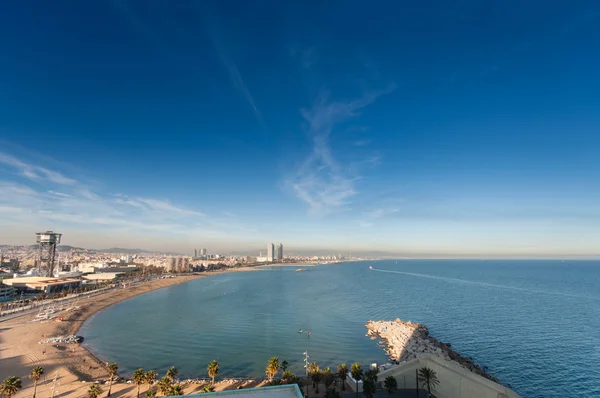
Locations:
column 534, row 324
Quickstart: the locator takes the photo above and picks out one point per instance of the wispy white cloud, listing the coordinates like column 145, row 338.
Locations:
column 381, row 212
column 321, row 181
column 77, row 204
column 365, row 224
column 164, row 206
column 236, row 77
column 33, row 172
column 361, row 142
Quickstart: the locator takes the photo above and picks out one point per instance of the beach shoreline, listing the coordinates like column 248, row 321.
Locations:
column 76, row 365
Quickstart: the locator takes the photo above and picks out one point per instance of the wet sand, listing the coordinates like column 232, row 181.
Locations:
column 76, row 367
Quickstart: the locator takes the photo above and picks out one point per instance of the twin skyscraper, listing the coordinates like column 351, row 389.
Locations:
column 273, row 255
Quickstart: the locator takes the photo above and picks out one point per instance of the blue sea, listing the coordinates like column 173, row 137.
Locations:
column 534, row 324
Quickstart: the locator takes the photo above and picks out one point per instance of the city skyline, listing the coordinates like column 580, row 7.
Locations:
column 430, row 131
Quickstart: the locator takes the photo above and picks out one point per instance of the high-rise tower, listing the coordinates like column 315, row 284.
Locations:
column 270, row 251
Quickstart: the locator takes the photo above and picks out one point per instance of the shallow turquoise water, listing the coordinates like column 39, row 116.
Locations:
column 534, row 324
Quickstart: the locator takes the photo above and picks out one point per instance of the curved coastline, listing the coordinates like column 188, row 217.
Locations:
column 74, row 365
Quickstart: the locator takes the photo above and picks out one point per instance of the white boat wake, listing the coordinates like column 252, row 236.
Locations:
column 484, row 284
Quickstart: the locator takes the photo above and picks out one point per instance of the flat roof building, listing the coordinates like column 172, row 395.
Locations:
column 284, row 391
column 44, row 284
column 104, row 276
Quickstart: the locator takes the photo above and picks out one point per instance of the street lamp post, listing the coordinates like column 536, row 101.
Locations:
column 306, row 370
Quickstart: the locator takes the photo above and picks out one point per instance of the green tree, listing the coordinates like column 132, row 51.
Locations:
column 272, row 368
column 150, row 378
column 150, row 394
column 165, row 385
column 316, row 377
column 328, row 378
column 369, row 387
column 342, row 372
column 208, row 388
column 35, row 375
column 390, row 384
column 371, row 374
column 313, row 367
column 139, row 378
column 112, row 372
column 357, row 374
column 94, row 391
column 172, row 373
column 284, row 366
column 428, row 377
column 213, row 370
column 176, row 390
column 10, row 386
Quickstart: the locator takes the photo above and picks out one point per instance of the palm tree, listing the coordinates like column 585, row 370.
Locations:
column 428, row 377
column 272, row 368
column 213, row 370
column 390, row 384
column 371, row 374
column 150, row 378
column 176, row 390
column 10, row 386
column 112, row 371
column 172, row 373
column 139, row 378
column 369, row 387
column 287, row 376
column 150, row 394
column 357, row 374
column 165, row 385
column 284, row 366
column 342, row 372
column 316, row 378
column 94, row 391
column 328, row 378
column 35, row 375
column 313, row 367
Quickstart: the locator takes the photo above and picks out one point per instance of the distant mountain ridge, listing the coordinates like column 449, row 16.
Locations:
column 121, row 250
column 116, row 250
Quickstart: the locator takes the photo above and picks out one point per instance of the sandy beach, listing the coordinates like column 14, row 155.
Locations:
column 76, row 368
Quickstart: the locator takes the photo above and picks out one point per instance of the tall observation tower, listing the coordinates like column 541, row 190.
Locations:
column 47, row 241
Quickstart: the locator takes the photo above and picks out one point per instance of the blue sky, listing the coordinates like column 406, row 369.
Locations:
column 430, row 129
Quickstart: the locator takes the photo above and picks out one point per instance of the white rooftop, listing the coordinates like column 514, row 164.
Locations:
column 285, row 391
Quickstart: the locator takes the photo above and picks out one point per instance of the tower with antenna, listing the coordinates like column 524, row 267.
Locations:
column 47, row 242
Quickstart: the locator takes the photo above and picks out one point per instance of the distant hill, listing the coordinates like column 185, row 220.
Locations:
column 60, row 248
column 121, row 250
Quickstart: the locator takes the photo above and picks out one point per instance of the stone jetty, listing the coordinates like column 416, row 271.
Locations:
column 403, row 341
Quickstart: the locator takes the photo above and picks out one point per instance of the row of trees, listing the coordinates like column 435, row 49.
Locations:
column 166, row 385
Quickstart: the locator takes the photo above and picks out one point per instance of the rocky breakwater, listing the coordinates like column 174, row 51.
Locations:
column 407, row 340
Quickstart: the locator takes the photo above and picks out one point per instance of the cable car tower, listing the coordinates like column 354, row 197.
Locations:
column 47, row 255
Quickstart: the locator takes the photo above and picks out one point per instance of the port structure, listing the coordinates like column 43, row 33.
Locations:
column 47, row 242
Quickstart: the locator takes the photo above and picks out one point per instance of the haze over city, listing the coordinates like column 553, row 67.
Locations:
column 434, row 132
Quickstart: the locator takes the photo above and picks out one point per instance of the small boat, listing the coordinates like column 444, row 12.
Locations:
column 370, row 267
column 300, row 270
